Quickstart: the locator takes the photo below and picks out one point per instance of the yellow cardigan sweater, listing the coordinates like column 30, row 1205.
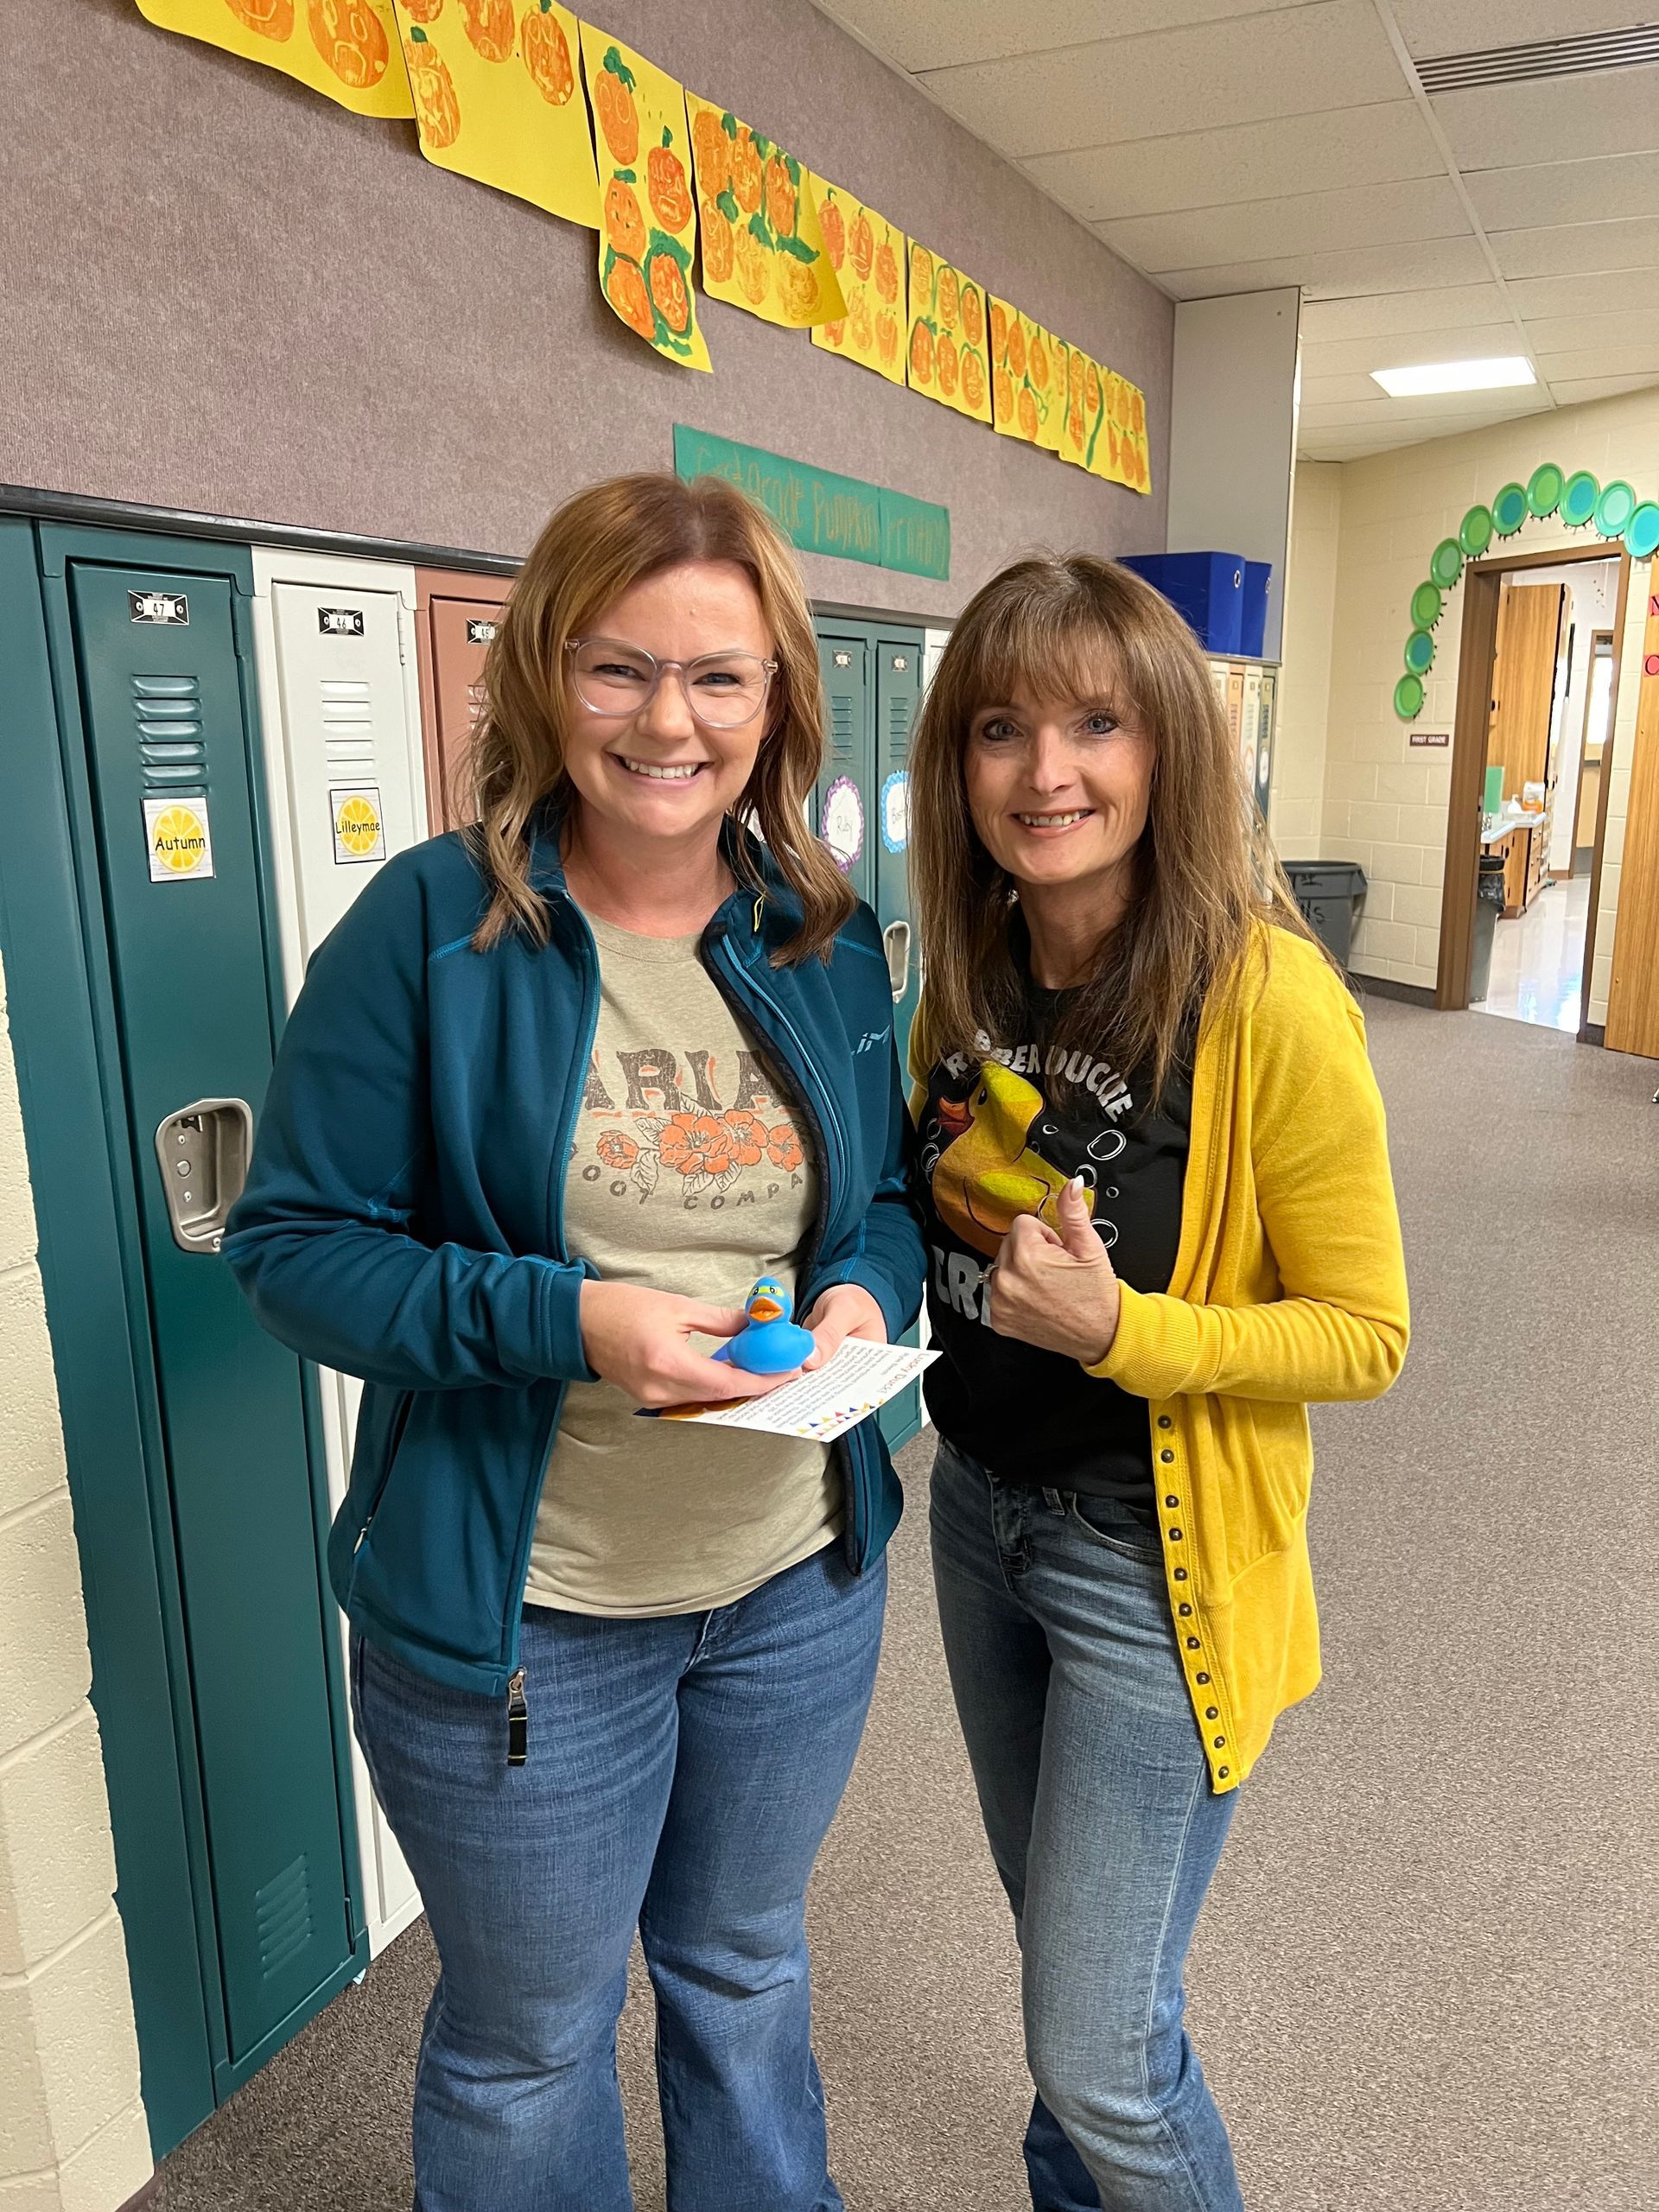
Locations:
column 1289, row 1284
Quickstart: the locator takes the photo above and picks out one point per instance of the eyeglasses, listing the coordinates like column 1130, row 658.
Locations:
column 724, row 690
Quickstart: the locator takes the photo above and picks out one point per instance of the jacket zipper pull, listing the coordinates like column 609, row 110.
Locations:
column 518, row 1720
column 755, row 929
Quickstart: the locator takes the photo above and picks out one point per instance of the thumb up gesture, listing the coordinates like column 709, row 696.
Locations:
column 1059, row 1292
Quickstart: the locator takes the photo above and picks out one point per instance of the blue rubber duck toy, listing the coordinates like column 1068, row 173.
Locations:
column 771, row 1344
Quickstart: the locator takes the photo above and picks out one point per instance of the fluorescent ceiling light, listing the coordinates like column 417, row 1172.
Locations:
column 1454, row 376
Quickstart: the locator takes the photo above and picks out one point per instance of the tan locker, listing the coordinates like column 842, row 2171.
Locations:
column 455, row 617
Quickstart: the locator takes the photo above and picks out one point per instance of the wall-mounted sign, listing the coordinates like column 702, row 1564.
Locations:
column 1430, row 737
column 825, row 513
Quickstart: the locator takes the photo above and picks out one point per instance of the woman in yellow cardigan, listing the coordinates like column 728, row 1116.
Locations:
column 1160, row 1221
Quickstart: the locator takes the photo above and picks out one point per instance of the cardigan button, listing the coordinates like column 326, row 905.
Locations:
column 1223, row 1771
column 1220, row 1740
column 1180, row 1574
column 1192, row 1645
column 1163, row 1422
column 1184, row 1610
column 1211, row 1713
column 1171, row 1501
column 1203, row 1678
column 1174, row 1536
column 1166, row 1456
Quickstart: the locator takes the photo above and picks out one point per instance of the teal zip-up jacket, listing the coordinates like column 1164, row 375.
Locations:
column 403, row 1216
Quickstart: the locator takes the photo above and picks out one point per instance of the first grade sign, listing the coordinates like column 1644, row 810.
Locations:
column 823, row 513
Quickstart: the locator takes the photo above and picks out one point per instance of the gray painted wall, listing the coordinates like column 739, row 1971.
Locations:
column 220, row 291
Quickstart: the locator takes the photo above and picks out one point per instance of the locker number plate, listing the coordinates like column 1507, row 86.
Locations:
column 172, row 607
column 481, row 633
column 340, row 621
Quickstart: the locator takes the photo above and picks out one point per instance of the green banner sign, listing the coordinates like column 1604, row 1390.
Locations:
column 825, row 513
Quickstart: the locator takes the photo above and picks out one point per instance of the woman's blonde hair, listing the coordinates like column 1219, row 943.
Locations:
column 1204, row 871
column 597, row 546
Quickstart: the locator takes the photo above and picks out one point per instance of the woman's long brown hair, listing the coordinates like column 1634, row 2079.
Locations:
column 597, row 546
column 1204, row 871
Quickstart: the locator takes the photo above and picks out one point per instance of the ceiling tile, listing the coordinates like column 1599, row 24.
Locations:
column 1578, row 248
column 1440, row 407
column 1600, row 361
column 1329, row 53
column 1452, row 307
column 1252, row 160
column 931, row 33
column 1310, row 222
column 1351, row 271
column 1403, row 349
column 1613, row 186
column 1332, row 392
column 1573, row 391
column 1608, row 292
column 1553, row 119
column 1474, row 26
column 1566, row 333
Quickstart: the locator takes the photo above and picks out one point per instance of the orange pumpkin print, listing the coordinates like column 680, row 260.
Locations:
column 1037, row 363
column 921, row 277
column 712, row 151
column 753, row 265
column 1074, row 377
column 1092, row 390
column 973, row 315
column 418, row 11
column 858, row 315
column 834, row 230
column 619, row 120
column 668, row 291
column 749, row 177
column 437, row 109
column 999, row 332
column 887, row 335
column 834, row 333
column 949, row 296
column 270, row 18
column 797, row 284
column 489, row 26
column 973, row 380
column 1027, row 415
column 947, row 364
column 1074, row 423
column 862, row 246
column 1001, row 395
column 1138, row 414
column 348, row 35
column 546, row 52
column 1016, row 348
column 625, row 288
column 625, row 226
column 716, row 244
column 887, row 271
column 670, row 195
column 921, row 355
column 781, row 201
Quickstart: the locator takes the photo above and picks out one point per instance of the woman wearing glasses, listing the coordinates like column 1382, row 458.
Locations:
column 555, row 1095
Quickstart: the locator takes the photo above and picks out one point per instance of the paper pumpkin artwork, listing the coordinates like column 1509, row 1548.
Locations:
column 1022, row 376
column 497, row 98
column 870, row 256
column 648, row 224
column 346, row 49
column 762, row 247
column 947, row 356
column 1084, row 411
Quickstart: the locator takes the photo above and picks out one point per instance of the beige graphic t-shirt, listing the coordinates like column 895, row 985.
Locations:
column 687, row 1173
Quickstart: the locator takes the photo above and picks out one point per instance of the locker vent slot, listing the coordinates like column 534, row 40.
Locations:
column 348, row 729
column 171, row 743
column 283, row 1917
column 842, row 726
column 898, row 709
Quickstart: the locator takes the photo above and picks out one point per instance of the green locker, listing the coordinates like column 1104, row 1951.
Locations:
column 840, row 805
column 235, row 1856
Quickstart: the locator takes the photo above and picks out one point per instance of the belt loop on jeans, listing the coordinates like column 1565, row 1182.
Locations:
column 1054, row 1500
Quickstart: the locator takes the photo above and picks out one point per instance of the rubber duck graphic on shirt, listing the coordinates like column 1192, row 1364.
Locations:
column 988, row 1170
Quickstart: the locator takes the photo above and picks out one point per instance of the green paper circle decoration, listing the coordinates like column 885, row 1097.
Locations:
column 1544, row 488
column 1408, row 698
column 1475, row 531
column 1447, row 565
column 1426, row 604
column 1510, row 509
column 1420, row 653
column 1614, row 509
column 1641, row 531
column 1577, row 501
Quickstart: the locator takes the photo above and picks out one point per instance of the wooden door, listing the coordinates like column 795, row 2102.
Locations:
column 1524, row 682
column 1633, row 994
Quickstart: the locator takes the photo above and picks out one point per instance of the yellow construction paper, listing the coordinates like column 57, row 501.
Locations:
column 1045, row 379
column 1085, row 411
column 648, row 218
column 1022, row 354
column 497, row 97
column 870, row 257
column 762, row 247
column 947, row 356
column 346, row 49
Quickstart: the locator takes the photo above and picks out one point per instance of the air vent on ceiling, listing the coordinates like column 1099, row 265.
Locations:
column 1550, row 57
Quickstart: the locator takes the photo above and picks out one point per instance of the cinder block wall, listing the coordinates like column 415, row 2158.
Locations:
column 72, row 2137
column 1305, row 687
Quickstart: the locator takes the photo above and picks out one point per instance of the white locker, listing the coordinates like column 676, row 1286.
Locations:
column 346, row 779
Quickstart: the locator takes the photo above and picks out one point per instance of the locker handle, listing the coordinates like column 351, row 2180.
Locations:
column 203, row 1151
column 895, row 942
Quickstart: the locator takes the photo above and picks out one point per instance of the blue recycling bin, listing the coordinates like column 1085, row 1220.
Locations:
column 1253, row 613
column 1208, row 589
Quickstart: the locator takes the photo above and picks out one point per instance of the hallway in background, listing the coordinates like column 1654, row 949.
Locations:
column 1416, row 1988
column 1538, row 960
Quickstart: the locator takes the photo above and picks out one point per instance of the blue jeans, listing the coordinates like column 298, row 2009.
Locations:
column 1098, row 1805
column 681, row 1773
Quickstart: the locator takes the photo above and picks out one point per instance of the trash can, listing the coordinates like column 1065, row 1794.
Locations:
column 1330, row 894
column 1488, row 905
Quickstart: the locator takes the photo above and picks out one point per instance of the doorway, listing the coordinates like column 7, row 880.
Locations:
column 1537, row 690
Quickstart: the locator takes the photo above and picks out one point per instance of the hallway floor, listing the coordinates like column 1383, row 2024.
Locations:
column 1425, row 1979
column 1538, row 959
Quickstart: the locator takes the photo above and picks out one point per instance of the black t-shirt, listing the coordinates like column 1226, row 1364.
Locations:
column 993, row 1147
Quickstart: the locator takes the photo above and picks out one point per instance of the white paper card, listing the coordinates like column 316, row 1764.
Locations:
column 824, row 1404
